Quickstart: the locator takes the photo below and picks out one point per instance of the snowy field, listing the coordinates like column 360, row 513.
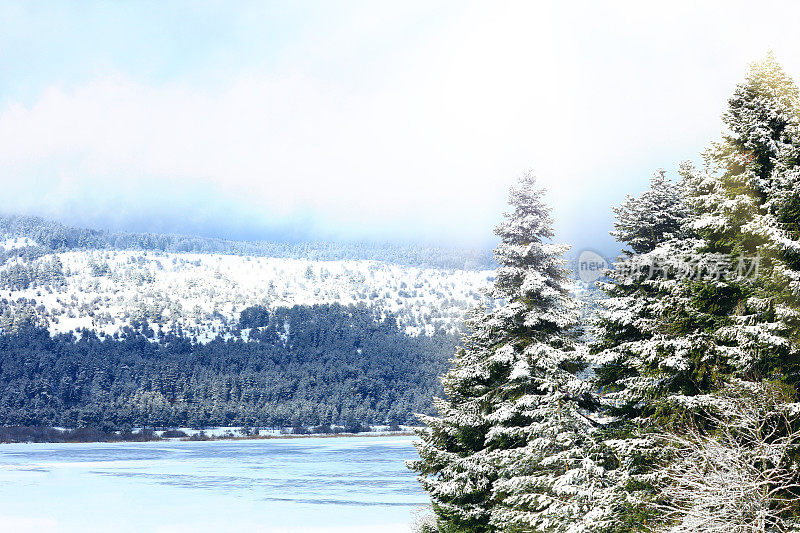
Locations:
column 356, row 484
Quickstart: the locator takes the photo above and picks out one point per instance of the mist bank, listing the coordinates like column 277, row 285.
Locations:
column 50, row 236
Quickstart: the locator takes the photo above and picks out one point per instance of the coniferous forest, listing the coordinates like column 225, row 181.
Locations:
column 681, row 413
column 301, row 366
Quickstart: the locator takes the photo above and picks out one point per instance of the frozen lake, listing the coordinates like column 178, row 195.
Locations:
column 308, row 485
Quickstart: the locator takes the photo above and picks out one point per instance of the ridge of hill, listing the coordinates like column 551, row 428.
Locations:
column 54, row 236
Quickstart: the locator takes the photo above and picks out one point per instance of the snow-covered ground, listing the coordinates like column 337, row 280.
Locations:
column 202, row 293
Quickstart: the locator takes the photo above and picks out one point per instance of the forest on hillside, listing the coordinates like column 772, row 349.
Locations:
column 300, row 366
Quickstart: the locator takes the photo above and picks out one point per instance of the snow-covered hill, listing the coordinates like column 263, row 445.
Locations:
column 203, row 294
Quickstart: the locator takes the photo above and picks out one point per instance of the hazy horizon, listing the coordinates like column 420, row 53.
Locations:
column 403, row 123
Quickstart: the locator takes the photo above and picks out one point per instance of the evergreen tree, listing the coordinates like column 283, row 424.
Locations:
column 695, row 314
column 629, row 323
column 643, row 365
column 654, row 217
column 511, row 447
column 705, row 313
column 748, row 203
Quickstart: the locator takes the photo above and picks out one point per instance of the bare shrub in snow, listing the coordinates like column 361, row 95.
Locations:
column 742, row 475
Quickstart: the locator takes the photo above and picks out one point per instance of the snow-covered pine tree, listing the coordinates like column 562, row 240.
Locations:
column 656, row 216
column 723, row 317
column 646, row 355
column 630, row 321
column 711, row 316
column 511, row 449
column 748, row 203
column 704, row 318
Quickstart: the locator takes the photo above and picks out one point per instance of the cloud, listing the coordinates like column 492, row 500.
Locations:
column 390, row 125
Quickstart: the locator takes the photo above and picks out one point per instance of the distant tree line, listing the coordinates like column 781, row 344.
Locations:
column 299, row 366
column 52, row 236
column 50, row 434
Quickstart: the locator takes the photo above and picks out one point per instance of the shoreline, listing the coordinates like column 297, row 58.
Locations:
column 199, row 436
column 307, row 436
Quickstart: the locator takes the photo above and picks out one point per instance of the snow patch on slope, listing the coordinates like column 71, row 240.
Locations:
column 203, row 294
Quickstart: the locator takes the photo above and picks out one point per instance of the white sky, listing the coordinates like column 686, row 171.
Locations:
column 402, row 122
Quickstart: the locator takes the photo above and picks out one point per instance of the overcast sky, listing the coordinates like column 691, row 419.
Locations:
column 362, row 120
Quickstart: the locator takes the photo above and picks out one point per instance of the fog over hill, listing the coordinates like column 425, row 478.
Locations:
column 56, row 237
